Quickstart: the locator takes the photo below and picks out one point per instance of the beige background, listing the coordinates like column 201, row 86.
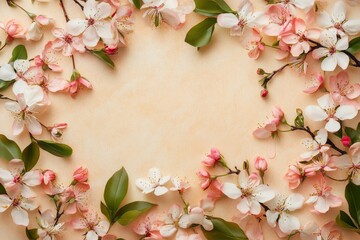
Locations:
column 165, row 105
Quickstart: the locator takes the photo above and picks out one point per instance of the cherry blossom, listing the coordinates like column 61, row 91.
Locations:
column 315, row 146
column 301, row 4
column 342, row 92
column 92, row 224
column 323, row 199
column 67, row 43
column 16, row 181
column 13, row 30
column 338, row 20
column 48, row 228
column 331, row 51
column 212, row 158
column 77, row 82
column 279, row 212
column 205, row 178
column 294, row 176
column 154, row 183
column 351, row 162
column 80, row 175
column 279, row 20
column 251, row 41
column 179, row 185
column 48, row 176
column 250, row 192
column 149, row 227
column 313, row 83
column 75, row 196
column 261, row 164
column 95, row 26
column 322, row 163
column 312, row 231
column 34, row 31
column 28, row 102
column 48, row 59
column 172, row 221
column 329, row 112
column 270, row 128
column 123, row 21
column 196, row 215
column 20, row 205
column 56, row 131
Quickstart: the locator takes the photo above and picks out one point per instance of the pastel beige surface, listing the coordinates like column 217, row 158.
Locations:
column 164, row 105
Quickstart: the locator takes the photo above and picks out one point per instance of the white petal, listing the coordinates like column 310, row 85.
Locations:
column 21, row 65
column 271, row 217
column 154, row 175
column 33, row 125
column 5, row 202
column 324, row 20
column 231, row 190
column 342, row 60
column 321, row 136
column 326, row 102
column 91, row 235
column 227, row 20
column 329, row 63
column 102, row 228
column 160, row 191
column 339, row 12
column 103, row 29
column 342, row 43
column 164, row 180
column 90, row 8
column 288, row 223
column 321, row 205
column 332, row 125
column 352, row 27
column 32, row 178
column 76, row 26
column 144, row 184
column 7, row 72
column 5, row 176
column 345, row 112
column 315, row 113
column 167, row 230
column 90, row 37
column 103, row 11
column 263, row 193
column 20, row 216
column 244, row 206
column 294, row 201
column 13, row 107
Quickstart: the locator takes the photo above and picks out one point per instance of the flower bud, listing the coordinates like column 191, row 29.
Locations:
column 48, row 176
column 261, row 164
column 80, row 174
column 205, row 179
column 109, row 50
column 264, row 93
column 212, row 158
column 346, row 141
column 260, row 71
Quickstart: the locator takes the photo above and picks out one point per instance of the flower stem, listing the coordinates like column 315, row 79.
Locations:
column 356, row 61
column 268, row 78
column 12, row 3
column 3, row 46
column 64, row 10
column 6, row 98
column 78, row 3
column 335, row 179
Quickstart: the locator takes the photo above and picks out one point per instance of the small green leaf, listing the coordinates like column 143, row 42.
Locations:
column 131, row 211
column 200, row 35
column 32, row 234
column 9, row 149
column 352, row 195
column 5, row 84
column 116, row 189
column 57, row 149
column 299, row 120
column 353, row 134
column 30, row 156
column 2, row 189
column 137, row 3
column 344, row 220
column 107, row 213
column 354, row 46
column 19, row 52
column 224, row 230
column 212, row 7
column 103, row 57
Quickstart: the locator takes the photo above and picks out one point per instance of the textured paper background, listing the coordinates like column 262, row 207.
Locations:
column 165, row 105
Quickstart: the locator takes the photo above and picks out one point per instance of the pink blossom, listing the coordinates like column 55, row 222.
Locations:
column 330, row 231
column 205, row 179
column 48, row 176
column 313, row 83
column 342, row 91
column 34, row 31
column 67, row 43
column 149, row 227
column 350, row 162
column 214, row 194
column 196, row 215
column 77, row 82
column 75, row 196
column 56, row 131
column 253, row 229
column 321, row 163
column 323, row 199
column 48, row 59
column 20, row 205
column 92, row 224
column 13, row 29
column 123, row 21
column 261, row 164
column 212, row 158
column 294, row 176
column 270, row 128
column 279, row 17
column 179, row 185
column 81, row 174
column 251, row 41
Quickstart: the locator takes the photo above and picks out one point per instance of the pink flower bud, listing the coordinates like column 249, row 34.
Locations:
column 261, row 164
column 293, row 176
column 48, row 176
column 346, row 141
column 205, row 179
column 264, row 93
column 109, row 50
column 80, row 174
column 212, row 158
column 260, row 71
column 56, row 132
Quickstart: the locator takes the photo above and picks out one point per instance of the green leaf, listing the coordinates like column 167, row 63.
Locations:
column 224, row 230
column 353, row 134
column 32, row 234
column 9, row 149
column 299, row 120
column 107, row 213
column 344, row 220
column 103, row 57
column 137, row 3
column 19, row 52
column 212, row 7
column 352, row 195
column 200, row 35
column 5, row 84
column 57, row 149
column 354, row 46
column 2, row 189
column 30, row 156
column 131, row 211
column 116, row 189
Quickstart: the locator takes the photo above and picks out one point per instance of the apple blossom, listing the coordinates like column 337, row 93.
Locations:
column 92, row 224
column 16, row 181
column 261, row 164
column 195, row 215
column 279, row 19
column 34, row 31
column 250, row 192
column 75, row 196
column 48, row 228
column 20, row 206
column 67, row 43
column 245, row 18
column 28, row 102
column 294, row 176
column 212, row 158
column 331, row 50
column 77, row 82
column 351, row 162
column 154, row 182
column 80, row 175
column 270, row 128
column 48, row 59
column 179, row 185
column 329, row 112
column 323, row 199
column 13, row 29
column 338, row 20
column 251, row 41
column 323, row 163
column 342, row 92
column 279, row 212
column 315, row 146
column 149, row 227
column 95, row 26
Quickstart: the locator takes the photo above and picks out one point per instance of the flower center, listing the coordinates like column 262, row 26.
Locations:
column 68, row 38
column 91, row 21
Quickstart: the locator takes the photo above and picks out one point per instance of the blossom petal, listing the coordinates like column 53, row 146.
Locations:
column 32, row 178
column 160, row 191
column 315, row 113
column 294, row 201
column 76, row 26
column 339, row 12
column 5, row 202
column 329, row 63
column 324, row 20
column 102, row 228
column 90, row 37
column 20, row 216
column 103, row 29
column 288, row 223
column 167, row 230
column 227, row 20
column 7, row 73
column 271, row 217
column 345, row 112
column 352, row 27
column 342, row 60
column 231, row 190
column 332, row 125
column 33, row 125
column 263, row 193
